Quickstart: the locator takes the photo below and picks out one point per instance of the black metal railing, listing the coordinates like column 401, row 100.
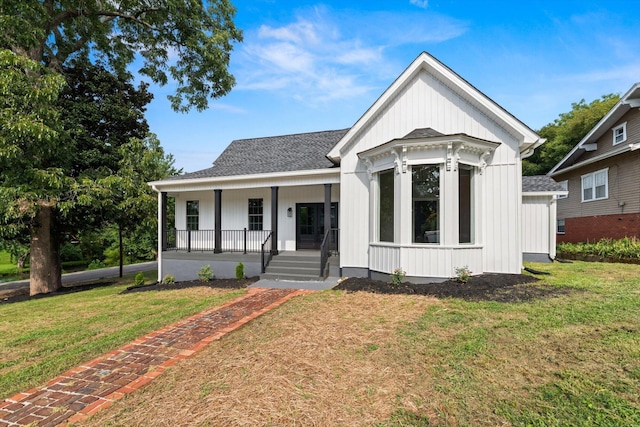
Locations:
column 266, row 253
column 244, row 241
column 329, row 245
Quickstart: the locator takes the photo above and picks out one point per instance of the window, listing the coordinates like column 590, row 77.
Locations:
column 594, row 186
column 255, row 214
column 565, row 187
column 465, row 205
column 425, row 198
column 560, row 229
column 193, row 214
column 386, row 205
column 620, row 133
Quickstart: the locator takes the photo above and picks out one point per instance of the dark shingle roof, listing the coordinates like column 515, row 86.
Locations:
column 539, row 183
column 422, row 133
column 303, row 151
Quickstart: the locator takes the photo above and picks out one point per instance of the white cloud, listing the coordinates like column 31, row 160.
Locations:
column 327, row 55
column 420, row 3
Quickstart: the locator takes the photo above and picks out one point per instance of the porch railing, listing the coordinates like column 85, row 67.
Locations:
column 244, row 241
column 266, row 252
column 329, row 244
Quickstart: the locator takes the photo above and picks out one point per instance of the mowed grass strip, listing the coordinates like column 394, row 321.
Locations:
column 359, row 359
column 41, row 338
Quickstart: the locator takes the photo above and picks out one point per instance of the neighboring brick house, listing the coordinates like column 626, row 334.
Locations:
column 602, row 175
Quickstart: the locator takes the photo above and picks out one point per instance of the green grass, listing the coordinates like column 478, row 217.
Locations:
column 42, row 338
column 570, row 360
column 7, row 267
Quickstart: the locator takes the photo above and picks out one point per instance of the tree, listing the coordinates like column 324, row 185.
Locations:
column 184, row 41
column 31, row 184
column 565, row 132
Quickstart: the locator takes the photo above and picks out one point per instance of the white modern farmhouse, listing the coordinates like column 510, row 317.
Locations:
column 427, row 180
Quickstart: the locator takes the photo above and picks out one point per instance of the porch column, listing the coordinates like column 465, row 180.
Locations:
column 327, row 208
column 274, row 220
column 217, row 244
column 163, row 220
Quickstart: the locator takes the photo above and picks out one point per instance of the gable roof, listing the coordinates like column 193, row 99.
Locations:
column 285, row 153
column 540, row 183
column 629, row 100
column 529, row 140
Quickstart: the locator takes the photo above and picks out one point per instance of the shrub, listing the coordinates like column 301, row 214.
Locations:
column 463, row 274
column 96, row 264
column 70, row 252
column 628, row 247
column 205, row 273
column 138, row 280
column 240, row 271
column 168, row 280
column 397, row 277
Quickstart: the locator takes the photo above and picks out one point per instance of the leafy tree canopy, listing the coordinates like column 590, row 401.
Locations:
column 565, row 132
column 185, row 41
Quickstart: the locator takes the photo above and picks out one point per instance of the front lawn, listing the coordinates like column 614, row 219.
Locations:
column 42, row 338
column 365, row 359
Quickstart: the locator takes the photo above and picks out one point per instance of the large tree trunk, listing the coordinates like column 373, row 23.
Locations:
column 46, row 271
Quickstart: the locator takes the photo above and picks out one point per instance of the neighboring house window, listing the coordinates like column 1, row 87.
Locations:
column 594, row 185
column 561, row 226
column 386, row 205
column 620, row 133
column 565, row 187
column 193, row 214
column 255, row 214
column 465, row 205
column 425, row 198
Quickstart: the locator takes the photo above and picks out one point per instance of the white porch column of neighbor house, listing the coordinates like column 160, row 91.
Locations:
column 274, row 220
column 163, row 220
column 161, row 231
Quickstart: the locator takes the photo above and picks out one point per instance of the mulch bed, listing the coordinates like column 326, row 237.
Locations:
column 485, row 287
column 215, row 283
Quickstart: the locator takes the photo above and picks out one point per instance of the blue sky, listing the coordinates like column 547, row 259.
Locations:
column 311, row 66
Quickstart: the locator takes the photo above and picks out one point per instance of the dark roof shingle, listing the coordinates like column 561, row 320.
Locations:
column 303, row 151
column 539, row 183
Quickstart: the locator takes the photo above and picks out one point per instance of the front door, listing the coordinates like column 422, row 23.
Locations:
column 310, row 224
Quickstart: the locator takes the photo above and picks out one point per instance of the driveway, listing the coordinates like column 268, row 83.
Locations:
column 22, row 286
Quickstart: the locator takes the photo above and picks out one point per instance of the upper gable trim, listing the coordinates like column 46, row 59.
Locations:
column 527, row 137
column 629, row 100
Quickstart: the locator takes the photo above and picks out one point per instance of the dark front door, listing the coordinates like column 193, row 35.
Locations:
column 310, row 224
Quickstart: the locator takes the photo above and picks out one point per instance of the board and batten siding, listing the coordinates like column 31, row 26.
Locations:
column 427, row 102
column 536, row 224
column 623, row 182
column 235, row 208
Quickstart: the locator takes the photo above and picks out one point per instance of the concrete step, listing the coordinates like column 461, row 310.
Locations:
column 295, row 266
column 290, row 263
column 292, row 277
column 293, row 270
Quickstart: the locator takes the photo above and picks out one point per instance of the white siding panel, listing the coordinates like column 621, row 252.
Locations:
column 535, row 224
column 354, row 220
column 425, row 261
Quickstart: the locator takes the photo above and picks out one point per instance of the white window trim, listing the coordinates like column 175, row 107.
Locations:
column 564, row 224
column 593, row 177
column 623, row 126
column 565, row 186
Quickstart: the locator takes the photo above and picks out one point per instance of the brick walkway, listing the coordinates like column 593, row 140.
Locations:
column 84, row 390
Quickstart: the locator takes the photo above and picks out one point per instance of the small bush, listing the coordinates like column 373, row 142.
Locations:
column 625, row 248
column 463, row 274
column 96, row 264
column 168, row 280
column 240, row 271
column 397, row 277
column 70, row 252
column 138, row 280
column 205, row 273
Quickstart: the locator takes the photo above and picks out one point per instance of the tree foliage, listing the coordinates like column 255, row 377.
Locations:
column 565, row 132
column 187, row 42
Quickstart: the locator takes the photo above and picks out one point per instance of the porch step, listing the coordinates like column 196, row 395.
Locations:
column 296, row 266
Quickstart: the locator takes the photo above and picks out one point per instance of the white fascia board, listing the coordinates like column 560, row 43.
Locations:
column 600, row 128
column 314, row 173
column 624, row 149
column 544, row 193
column 430, row 142
column 430, row 64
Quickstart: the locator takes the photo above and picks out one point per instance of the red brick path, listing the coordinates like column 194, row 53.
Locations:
column 84, row 390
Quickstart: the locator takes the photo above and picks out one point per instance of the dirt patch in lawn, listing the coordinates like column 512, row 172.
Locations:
column 485, row 287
